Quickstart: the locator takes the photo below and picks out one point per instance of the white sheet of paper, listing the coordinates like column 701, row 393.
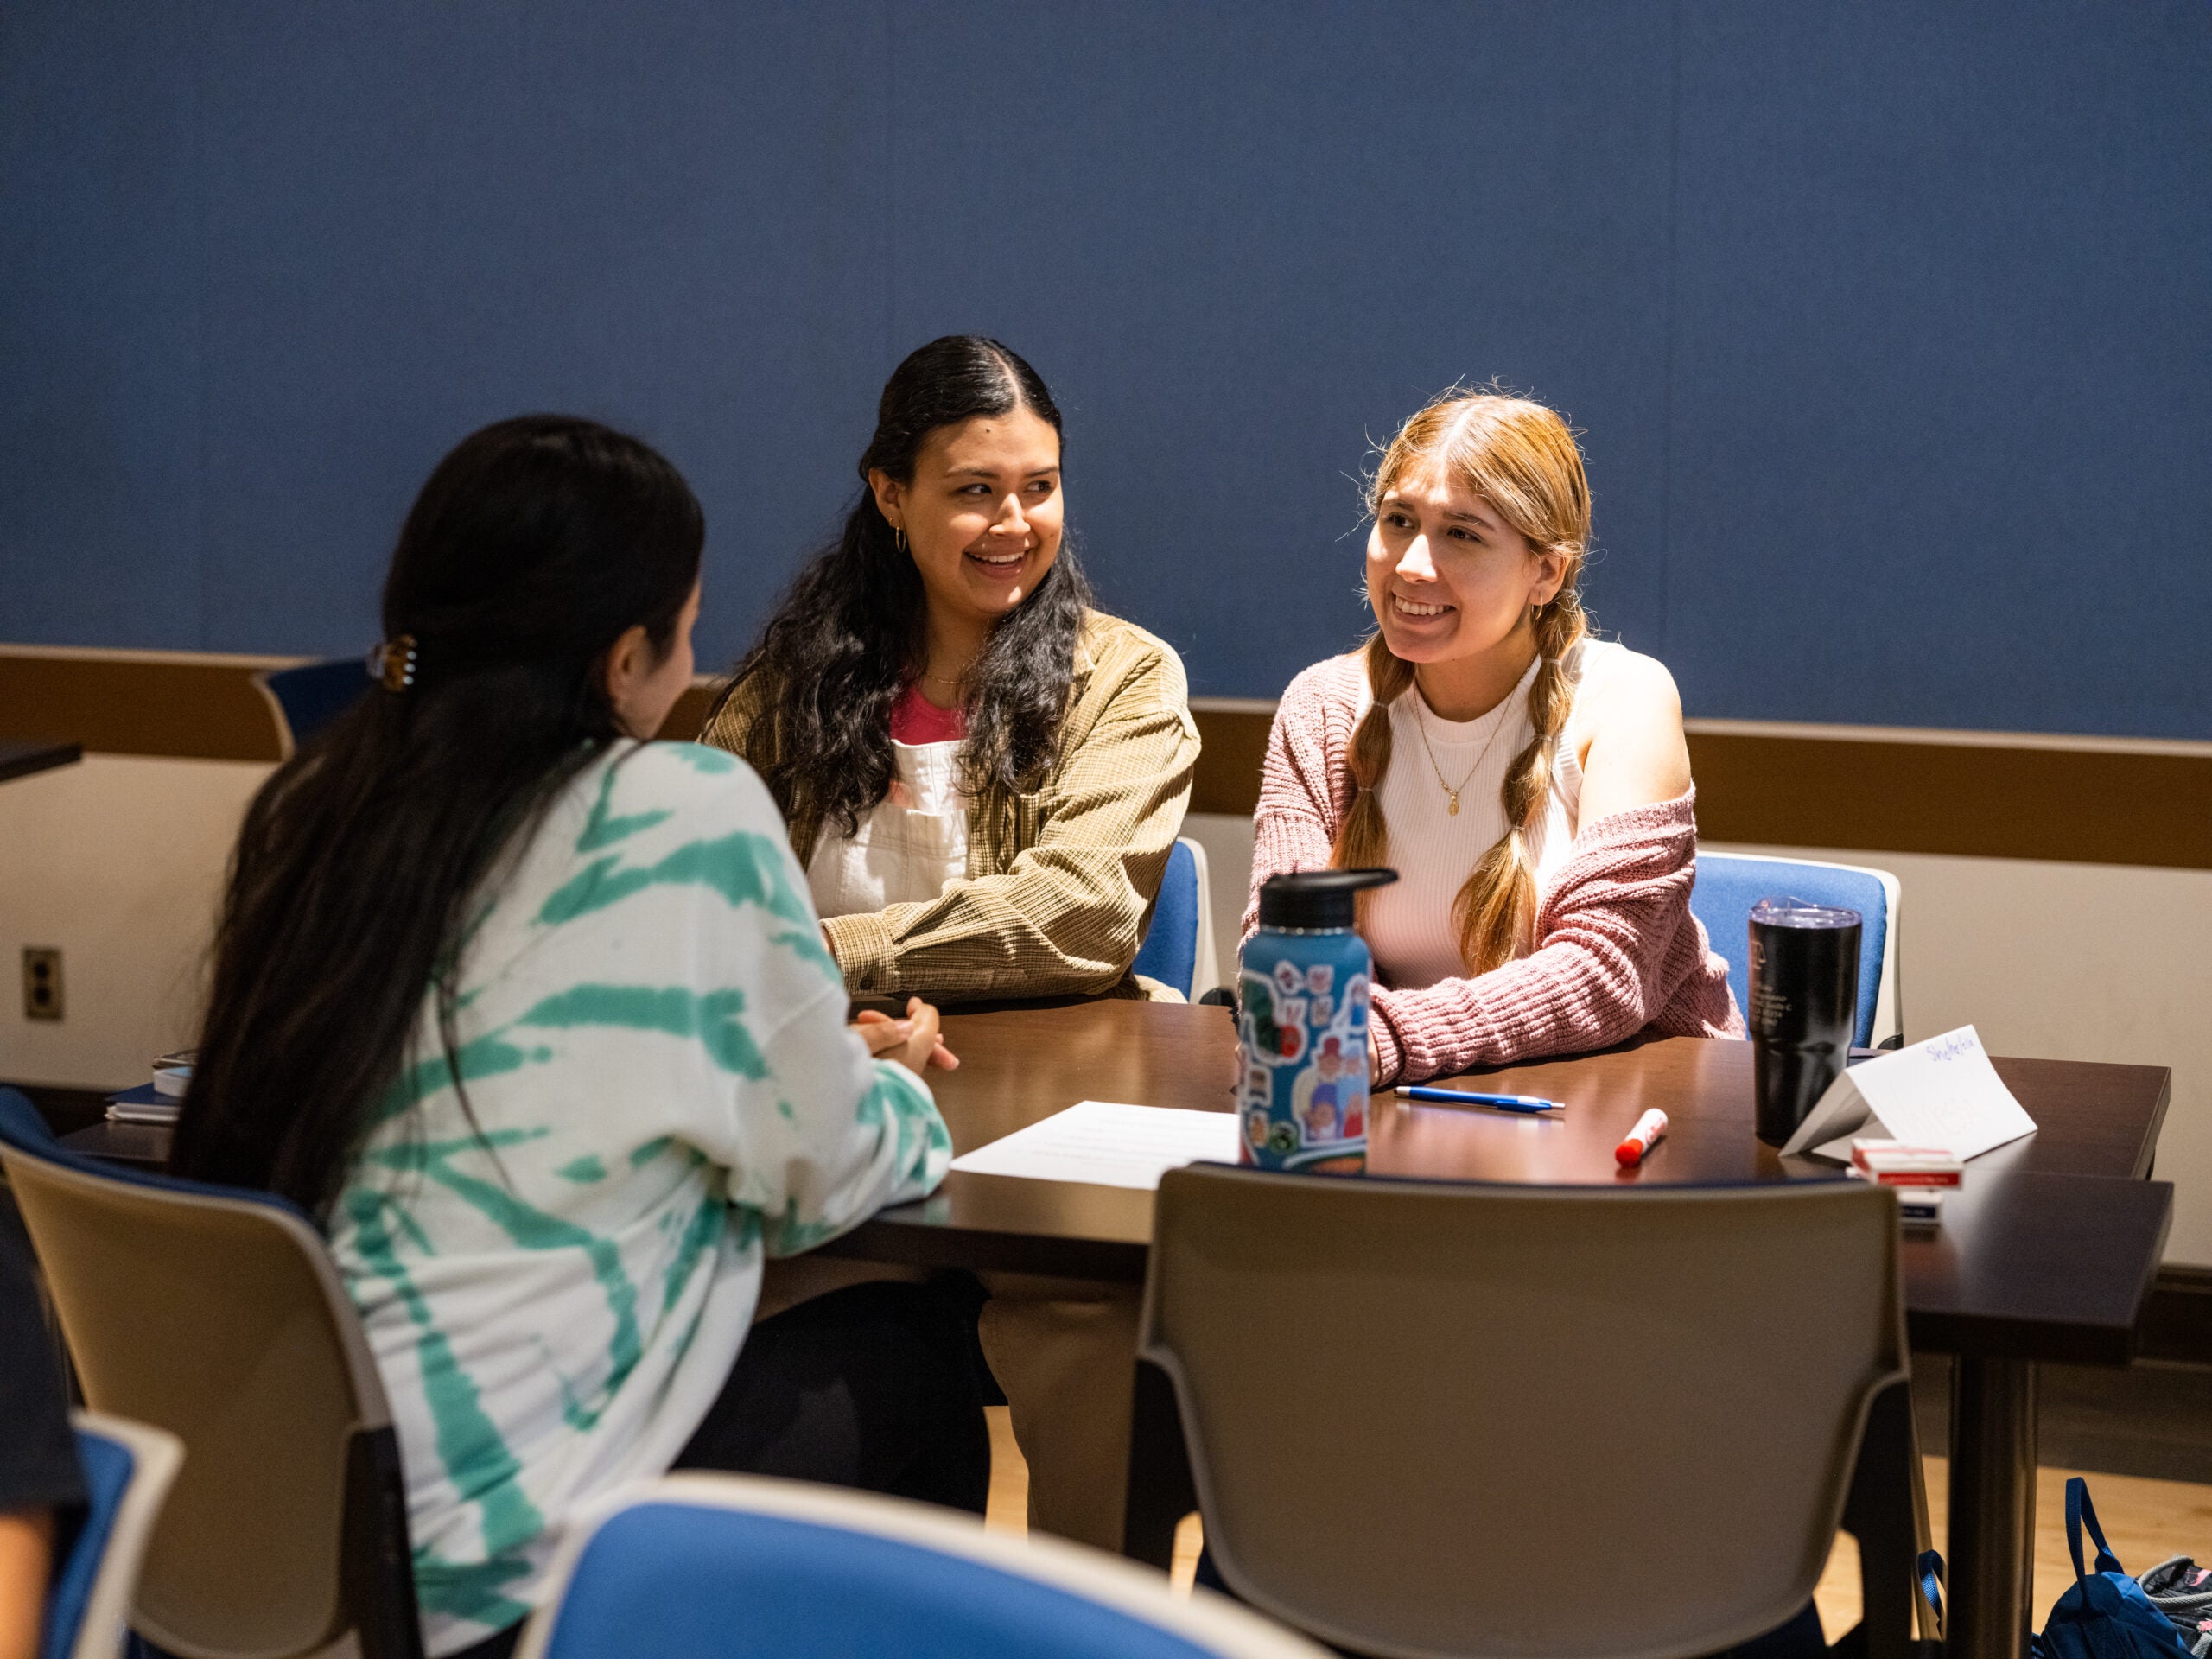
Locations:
column 1943, row 1092
column 1109, row 1143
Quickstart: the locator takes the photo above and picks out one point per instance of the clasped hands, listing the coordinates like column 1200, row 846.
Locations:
column 915, row 1041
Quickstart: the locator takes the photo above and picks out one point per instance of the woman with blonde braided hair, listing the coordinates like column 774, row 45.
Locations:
column 1529, row 783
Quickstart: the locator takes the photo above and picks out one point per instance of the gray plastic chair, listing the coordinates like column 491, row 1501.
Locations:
column 1534, row 1422
column 217, row 1316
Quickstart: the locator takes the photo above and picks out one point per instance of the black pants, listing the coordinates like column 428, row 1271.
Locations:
column 877, row 1386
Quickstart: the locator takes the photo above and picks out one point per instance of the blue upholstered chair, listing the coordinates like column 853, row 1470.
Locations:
column 217, row 1315
column 128, row 1469
column 735, row 1567
column 1729, row 884
column 1178, row 948
column 309, row 697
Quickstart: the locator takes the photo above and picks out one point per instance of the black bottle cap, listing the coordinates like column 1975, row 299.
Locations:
column 1316, row 899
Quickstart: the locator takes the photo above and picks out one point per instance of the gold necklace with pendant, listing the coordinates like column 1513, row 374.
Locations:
column 1451, row 794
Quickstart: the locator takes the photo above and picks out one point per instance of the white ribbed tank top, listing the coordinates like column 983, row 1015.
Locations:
column 1409, row 926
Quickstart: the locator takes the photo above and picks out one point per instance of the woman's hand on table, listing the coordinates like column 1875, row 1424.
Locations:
column 913, row 1041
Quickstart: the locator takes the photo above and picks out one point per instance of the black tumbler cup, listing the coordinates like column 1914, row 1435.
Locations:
column 1804, row 983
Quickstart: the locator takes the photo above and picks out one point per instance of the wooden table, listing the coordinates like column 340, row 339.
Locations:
column 2046, row 1253
column 19, row 757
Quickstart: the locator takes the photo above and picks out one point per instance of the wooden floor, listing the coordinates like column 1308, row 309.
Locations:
column 2145, row 1520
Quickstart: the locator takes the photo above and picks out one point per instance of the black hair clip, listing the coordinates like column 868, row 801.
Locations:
column 392, row 664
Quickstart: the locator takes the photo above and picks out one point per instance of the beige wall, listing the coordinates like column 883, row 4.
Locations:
column 118, row 860
column 2087, row 961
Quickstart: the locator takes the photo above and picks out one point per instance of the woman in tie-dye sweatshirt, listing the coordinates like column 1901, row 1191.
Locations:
column 537, row 1020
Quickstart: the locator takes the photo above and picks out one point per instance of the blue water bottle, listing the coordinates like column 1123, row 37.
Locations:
column 1302, row 987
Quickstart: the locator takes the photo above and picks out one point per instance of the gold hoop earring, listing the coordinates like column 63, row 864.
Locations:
column 898, row 535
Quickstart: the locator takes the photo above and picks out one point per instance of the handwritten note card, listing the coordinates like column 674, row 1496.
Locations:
column 1108, row 1143
column 1943, row 1093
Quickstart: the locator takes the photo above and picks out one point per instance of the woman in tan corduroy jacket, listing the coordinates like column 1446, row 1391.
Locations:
column 982, row 776
column 981, row 773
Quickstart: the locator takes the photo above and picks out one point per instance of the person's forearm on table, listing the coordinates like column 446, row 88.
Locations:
column 1016, row 934
column 1571, row 996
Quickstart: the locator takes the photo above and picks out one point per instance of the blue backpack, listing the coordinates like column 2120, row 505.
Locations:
column 2104, row 1615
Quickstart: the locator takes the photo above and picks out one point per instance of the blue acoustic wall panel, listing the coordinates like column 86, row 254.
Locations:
column 1884, row 321
column 646, row 214
column 353, row 234
column 100, row 339
column 1942, row 441
column 1244, row 241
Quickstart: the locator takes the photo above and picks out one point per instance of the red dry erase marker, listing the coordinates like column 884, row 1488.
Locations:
column 1641, row 1138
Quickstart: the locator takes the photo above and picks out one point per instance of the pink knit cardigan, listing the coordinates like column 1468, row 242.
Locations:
column 1617, row 951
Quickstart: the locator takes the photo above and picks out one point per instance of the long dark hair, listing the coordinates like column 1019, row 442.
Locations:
column 535, row 546
column 852, row 631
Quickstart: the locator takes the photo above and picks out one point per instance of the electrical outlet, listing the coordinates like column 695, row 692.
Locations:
column 42, row 982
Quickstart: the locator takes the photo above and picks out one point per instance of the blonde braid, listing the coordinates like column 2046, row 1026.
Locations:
column 1496, row 909
column 1365, row 839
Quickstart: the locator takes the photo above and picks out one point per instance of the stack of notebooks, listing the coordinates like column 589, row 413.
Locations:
column 155, row 1101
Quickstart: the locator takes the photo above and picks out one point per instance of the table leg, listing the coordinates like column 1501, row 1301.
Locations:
column 1992, row 1522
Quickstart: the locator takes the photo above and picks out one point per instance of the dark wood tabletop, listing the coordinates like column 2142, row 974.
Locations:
column 21, row 757
column 2046, row 1252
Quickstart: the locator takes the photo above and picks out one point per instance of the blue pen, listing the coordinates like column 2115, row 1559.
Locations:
column 1463, row 1097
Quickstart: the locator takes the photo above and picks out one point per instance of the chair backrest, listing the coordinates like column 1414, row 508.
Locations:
column 1429, row 1419
column 128, row 1469
column 309, row 697
column 736, row 1566
column 1729, row 884
column 1178, row 948
column 217, row 1315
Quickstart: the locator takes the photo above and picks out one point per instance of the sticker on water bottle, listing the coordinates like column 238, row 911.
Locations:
column 1303, row 1097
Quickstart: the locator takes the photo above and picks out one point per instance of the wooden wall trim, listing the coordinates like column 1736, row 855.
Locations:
column 1973, row 794
column 1976, row 795
column 1924, row 736
column 172, row 703
column 2089, row 806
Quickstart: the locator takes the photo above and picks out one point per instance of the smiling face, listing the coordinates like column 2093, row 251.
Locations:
column 1447, row 577
column 981, row 515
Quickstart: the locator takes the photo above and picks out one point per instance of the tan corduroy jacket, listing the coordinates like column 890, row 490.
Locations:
column 1060, row 880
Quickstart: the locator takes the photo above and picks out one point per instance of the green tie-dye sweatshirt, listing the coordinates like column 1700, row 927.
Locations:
column 652, row 1040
